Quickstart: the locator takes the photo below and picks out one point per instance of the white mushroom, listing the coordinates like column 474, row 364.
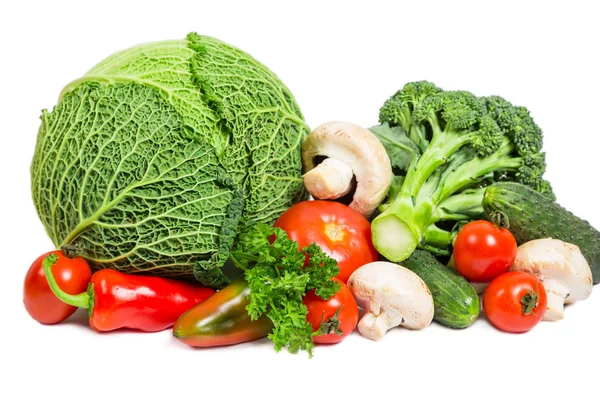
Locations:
column 350, row 151
column 391, row 295
column 561, row 267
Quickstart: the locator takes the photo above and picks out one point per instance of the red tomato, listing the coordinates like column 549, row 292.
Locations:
column 72, row 276
column 341, row 232
column 338, row 316
column 482, row 251
column 515, row 302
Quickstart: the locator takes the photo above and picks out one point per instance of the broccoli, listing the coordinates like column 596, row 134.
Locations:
column 460, row 144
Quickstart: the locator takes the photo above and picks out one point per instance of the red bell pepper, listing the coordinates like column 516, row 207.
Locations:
column 117, row 300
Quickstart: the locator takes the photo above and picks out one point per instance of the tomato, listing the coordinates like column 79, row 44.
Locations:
column 482, row 251
column 341, row 232
column 72, row 276
column 337, row 316
column 515, row 302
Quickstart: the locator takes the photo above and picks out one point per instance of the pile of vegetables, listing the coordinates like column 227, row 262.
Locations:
column 169, row 160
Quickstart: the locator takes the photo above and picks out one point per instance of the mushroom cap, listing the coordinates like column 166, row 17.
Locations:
column 555, row 262
column 360, row 150
column 381, row 285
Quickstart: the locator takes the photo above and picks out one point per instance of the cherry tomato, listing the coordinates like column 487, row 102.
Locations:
column 515, row 302
column 341, row 232
column 72, row 276
column 482, row 251
column 336, row 317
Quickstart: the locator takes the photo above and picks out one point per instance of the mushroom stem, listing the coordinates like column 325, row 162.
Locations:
column 331, row 179
column 374, row 326
column 556, row 294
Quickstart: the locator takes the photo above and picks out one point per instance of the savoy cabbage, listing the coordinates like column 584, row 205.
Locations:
column 155, row 159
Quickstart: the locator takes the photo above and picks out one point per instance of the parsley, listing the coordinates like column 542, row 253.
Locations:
column 278, row 278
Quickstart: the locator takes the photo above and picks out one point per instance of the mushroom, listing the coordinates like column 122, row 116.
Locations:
column 350, row 151
column 391, row 295
column 561, row 267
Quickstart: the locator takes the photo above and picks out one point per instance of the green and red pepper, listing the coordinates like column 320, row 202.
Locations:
column 222, row 319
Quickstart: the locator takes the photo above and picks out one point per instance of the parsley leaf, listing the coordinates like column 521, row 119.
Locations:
column 279, row 274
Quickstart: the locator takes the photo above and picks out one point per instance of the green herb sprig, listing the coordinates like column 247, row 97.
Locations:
column 279, row 274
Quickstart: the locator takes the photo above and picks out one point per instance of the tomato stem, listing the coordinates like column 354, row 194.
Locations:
column 81, row 300
column 331, row 326
column 530, row 302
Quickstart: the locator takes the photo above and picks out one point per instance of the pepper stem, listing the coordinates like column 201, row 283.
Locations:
column 81, row 300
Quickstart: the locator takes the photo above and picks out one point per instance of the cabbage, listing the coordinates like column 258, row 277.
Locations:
column 155, row 159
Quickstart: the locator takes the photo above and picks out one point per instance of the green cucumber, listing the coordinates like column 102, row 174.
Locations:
column 455, row 300
column 532, row 215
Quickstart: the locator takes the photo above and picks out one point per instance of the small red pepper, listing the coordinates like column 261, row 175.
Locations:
column 117, row 300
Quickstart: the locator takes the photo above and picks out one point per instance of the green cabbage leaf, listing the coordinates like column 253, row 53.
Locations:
column 155, row 159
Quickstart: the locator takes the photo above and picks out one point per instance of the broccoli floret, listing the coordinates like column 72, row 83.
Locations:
column 466, row 142
column 517, row 124
column 398, row 109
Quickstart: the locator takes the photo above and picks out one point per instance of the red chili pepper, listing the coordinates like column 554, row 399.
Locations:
column 116, row 300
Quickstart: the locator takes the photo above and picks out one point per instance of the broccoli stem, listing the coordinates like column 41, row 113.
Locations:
column 461, row 206
column 417, row 135
column 409, row 219
column 437, row 237
column 472, row 170
column 394, row 236
column 434, row 250
column 441, row 147
column 400, row 227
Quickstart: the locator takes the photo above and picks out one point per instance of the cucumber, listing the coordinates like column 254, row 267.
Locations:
column 532, row 215
column 455, row 301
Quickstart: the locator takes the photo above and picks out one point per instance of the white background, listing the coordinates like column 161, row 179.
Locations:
column 341, row 62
